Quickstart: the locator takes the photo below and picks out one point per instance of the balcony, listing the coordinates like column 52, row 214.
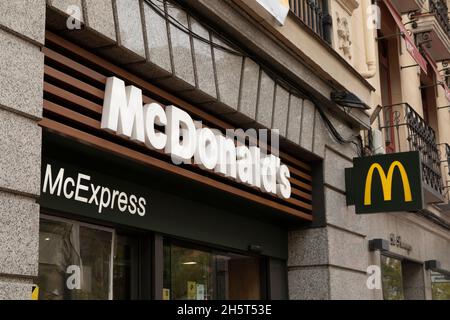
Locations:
column 445, row 160
column 313, row 13
column 440, row 9
column 404, row 130
column 406, row 6
column 432, row 29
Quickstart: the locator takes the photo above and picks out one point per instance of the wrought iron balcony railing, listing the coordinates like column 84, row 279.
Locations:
column 447, row 154
column 445, row 161
column 405, row 130
column 314, row 13
column 440, row 9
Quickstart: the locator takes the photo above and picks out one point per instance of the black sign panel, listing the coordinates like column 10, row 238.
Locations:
column 385, row 183
column 83, row 190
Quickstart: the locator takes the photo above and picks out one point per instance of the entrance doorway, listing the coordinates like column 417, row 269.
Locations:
column 192, row 273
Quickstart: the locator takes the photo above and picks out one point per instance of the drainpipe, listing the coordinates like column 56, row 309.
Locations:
column 327, row 23
column 369, row 44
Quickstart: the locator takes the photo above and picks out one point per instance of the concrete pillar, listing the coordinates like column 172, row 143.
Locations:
column 413, row 281
column 22, row 30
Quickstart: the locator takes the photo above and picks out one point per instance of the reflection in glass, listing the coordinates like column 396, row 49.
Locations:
column 74, row 261
column 440, row 286
column 391, row 270
column 191, row 274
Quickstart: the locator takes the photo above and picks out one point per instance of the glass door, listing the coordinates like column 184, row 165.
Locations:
column 392, row 279
column 440, row 286
column 201, row 274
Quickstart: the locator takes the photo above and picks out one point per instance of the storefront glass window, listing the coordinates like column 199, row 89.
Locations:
column 392, row 280
column 440, row 286
column 75, row 261
column 192, row 274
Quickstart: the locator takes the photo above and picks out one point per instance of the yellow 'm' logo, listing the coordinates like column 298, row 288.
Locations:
column 386, row 182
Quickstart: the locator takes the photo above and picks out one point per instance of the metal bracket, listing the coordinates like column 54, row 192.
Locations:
column 424, row 38
column 390, row 36
column 432, row 85
column 410, row 66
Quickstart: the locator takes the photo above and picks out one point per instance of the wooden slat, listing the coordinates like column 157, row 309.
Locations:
column 73, row 98
column 300, row 204
column 165, row 166
column 67, row 113
column 75, row 66
column 294, row 161
column 300, row 184
column 74, row 83
column 299, row 173
column 134, row 79
column 95, row 125
column 147, row 86
column 69, row 80
column 302, row 194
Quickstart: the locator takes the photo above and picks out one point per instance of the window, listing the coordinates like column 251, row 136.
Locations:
column 74, row 261
column 78, row 261
column 392, row 280
column 195, row 274
column 440, row 286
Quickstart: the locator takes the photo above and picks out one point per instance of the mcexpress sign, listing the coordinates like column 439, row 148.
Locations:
column 185, row 140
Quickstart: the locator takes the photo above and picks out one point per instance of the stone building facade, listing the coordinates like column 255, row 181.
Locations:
column 252, row 73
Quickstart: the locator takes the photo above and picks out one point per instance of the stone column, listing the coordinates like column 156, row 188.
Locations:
column 413, row 281
column 330, row 261
column 22, row 30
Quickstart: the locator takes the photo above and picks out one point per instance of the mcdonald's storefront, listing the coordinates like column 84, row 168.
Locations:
column 120, row 219
column 113, row 208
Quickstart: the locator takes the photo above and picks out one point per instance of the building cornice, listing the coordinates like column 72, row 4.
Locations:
column 348, row 5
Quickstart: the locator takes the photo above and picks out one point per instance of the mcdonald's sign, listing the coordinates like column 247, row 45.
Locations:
column 385, row 183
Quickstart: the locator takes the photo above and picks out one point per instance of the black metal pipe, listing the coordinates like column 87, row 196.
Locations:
column 327, row 23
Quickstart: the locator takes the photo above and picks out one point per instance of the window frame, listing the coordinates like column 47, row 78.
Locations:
column 263, row 261
column 400, row 260
column 94, row 227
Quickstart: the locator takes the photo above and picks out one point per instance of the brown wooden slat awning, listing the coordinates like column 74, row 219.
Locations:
column 74, row 84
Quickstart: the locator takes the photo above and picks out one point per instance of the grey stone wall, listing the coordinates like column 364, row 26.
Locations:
column 22, row 27
column 330, row 262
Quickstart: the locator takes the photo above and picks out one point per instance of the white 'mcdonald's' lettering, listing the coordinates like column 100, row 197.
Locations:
column 185, row 140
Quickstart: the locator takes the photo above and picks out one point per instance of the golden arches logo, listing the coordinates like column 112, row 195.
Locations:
column 386, row 182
